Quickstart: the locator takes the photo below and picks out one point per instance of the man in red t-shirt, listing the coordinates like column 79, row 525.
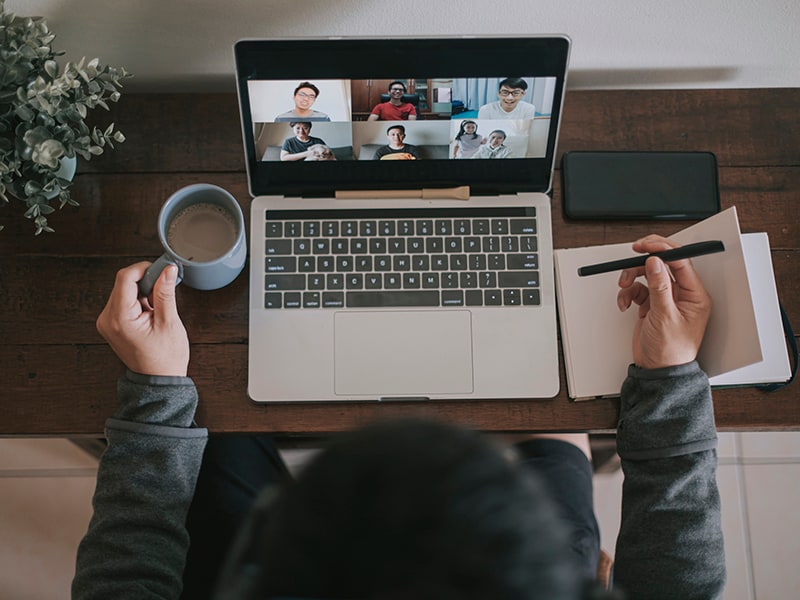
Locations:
column 395, row 109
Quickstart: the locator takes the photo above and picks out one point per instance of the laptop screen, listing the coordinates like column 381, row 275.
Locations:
column 326, row 115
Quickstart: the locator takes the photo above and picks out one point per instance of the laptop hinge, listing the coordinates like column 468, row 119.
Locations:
column 456, row 193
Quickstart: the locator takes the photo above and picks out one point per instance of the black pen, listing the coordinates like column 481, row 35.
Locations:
column 687, row 251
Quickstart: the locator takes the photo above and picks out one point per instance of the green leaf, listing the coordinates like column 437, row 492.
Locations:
column 51, row 68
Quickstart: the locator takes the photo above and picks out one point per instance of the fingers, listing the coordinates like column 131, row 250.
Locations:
column 659, row 285
column 165, row 307
column 123, row 302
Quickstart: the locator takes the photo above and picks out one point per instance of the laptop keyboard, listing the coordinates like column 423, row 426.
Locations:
column 461, row 257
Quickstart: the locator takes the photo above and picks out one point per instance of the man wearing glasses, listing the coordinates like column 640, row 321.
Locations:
column 305, row 95
column 395, row 109
column 510, row 105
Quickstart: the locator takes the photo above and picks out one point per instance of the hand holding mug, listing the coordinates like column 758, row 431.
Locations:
column 150, row 341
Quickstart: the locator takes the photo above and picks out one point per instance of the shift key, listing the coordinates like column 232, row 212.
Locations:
column 285, row 282
column 518, row 279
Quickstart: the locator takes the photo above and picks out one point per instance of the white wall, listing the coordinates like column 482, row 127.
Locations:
column 186, row 44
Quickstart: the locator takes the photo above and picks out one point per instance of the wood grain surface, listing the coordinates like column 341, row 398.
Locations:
column 58, row 377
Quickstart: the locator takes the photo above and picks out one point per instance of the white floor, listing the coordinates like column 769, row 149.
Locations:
column 46, row 487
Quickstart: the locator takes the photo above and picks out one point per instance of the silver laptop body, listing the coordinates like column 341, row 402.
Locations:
column 385, row 331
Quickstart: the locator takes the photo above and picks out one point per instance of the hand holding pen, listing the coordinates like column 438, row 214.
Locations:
column 673, row 314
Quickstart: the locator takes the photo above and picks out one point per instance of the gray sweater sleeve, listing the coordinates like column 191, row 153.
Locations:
column 137, row 542
column 670, row 540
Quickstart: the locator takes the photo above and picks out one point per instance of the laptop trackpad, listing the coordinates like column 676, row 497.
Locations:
column 403, row 353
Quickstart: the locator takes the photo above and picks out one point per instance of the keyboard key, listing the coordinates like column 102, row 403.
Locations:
column 363, row 264
column 285, row 282
column 340, row 246
column 420, row 262
column 292, row 229
column 497, row 262
column 518, row 279
column 274, row 229
column 393, row 298
column 392, row 281
column 333, row 299
column 330, row 228
column 401, row 262
column 349, row 228
column 397, row 245
column 355, row 281
column 530, row 297
column 491, row 244
column 411, row 280
column 472, row 244
column 358, row 246
column 273, row 300
column 373, row 281
column 523, row 226
column 405, row 227
column 424, row 227
column 302, row 246
column 528, row 243
column 335, row 281
column 278, row 247
column 386, row 228
column 500, row 226
column 383, row 263
column 291, row 300
column 480, row 226
column 311, row 300
column 443, row 227
column 368, row 228
column 468, row 279
column 522, row 261
column 511, row 298
column 458, row 262
column 510, row 243
column 492, row 298
column 488, row 279
column 415, row 245
column 449, row 280
column 344, row 264
column 434, row 245
column 452, row 298
column 326, row 264
column 377, row 246
column 310, row 228
column 473, row 297
column 321, row 246
column 439, row 262
column 316, row 282
column 281, row 264
column 477, row 262
column 430, row 280
column 462, row 227
column 452, row 244
column 306, row 264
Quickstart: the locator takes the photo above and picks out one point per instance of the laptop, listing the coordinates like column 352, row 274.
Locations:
column 401, row 249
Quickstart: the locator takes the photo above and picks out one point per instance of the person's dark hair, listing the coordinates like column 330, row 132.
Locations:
column 405, row 509
column 462, row 130
column 400, row 127
column 293, row 123
column 514, row 83
column 398, row 82
column 309, row 85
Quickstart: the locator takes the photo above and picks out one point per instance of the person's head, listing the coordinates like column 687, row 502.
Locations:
column 396, row 90
column 305, row 95
column 496, row 138
column 467, row 128
column 301, row 128
column 510, row 91
column 405, row 509
column 396, row 135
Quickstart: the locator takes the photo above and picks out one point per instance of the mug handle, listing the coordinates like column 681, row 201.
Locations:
column 152, row 273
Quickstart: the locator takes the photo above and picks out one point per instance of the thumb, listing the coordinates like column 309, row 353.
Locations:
column 164, row 294
column 659, row 285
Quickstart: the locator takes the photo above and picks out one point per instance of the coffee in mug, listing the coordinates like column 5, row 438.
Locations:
column 202, row 232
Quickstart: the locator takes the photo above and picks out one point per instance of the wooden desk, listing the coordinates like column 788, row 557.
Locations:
column 58, row 377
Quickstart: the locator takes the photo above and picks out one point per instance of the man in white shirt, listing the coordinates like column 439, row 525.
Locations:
column 510, row 105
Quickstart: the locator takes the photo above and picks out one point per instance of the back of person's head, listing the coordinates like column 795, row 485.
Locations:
column 404, row 509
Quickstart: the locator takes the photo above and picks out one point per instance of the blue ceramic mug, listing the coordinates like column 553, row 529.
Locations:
column 202, row 230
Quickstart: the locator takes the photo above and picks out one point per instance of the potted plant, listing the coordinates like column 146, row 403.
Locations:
column 43, row 109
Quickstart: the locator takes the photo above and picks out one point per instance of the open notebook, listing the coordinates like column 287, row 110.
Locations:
column 744, row 343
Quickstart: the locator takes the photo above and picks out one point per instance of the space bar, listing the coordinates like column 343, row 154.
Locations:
column 392, row 298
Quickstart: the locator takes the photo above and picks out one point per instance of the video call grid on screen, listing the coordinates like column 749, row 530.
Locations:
column 291, row 122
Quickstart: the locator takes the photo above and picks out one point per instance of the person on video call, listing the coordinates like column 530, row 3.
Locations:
column 494, row 147
column 396, row 149
column 394, row 109
column 404, row 509
column 509, row 105
column 305, row 95
column 468, row 140
column 299, row 146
